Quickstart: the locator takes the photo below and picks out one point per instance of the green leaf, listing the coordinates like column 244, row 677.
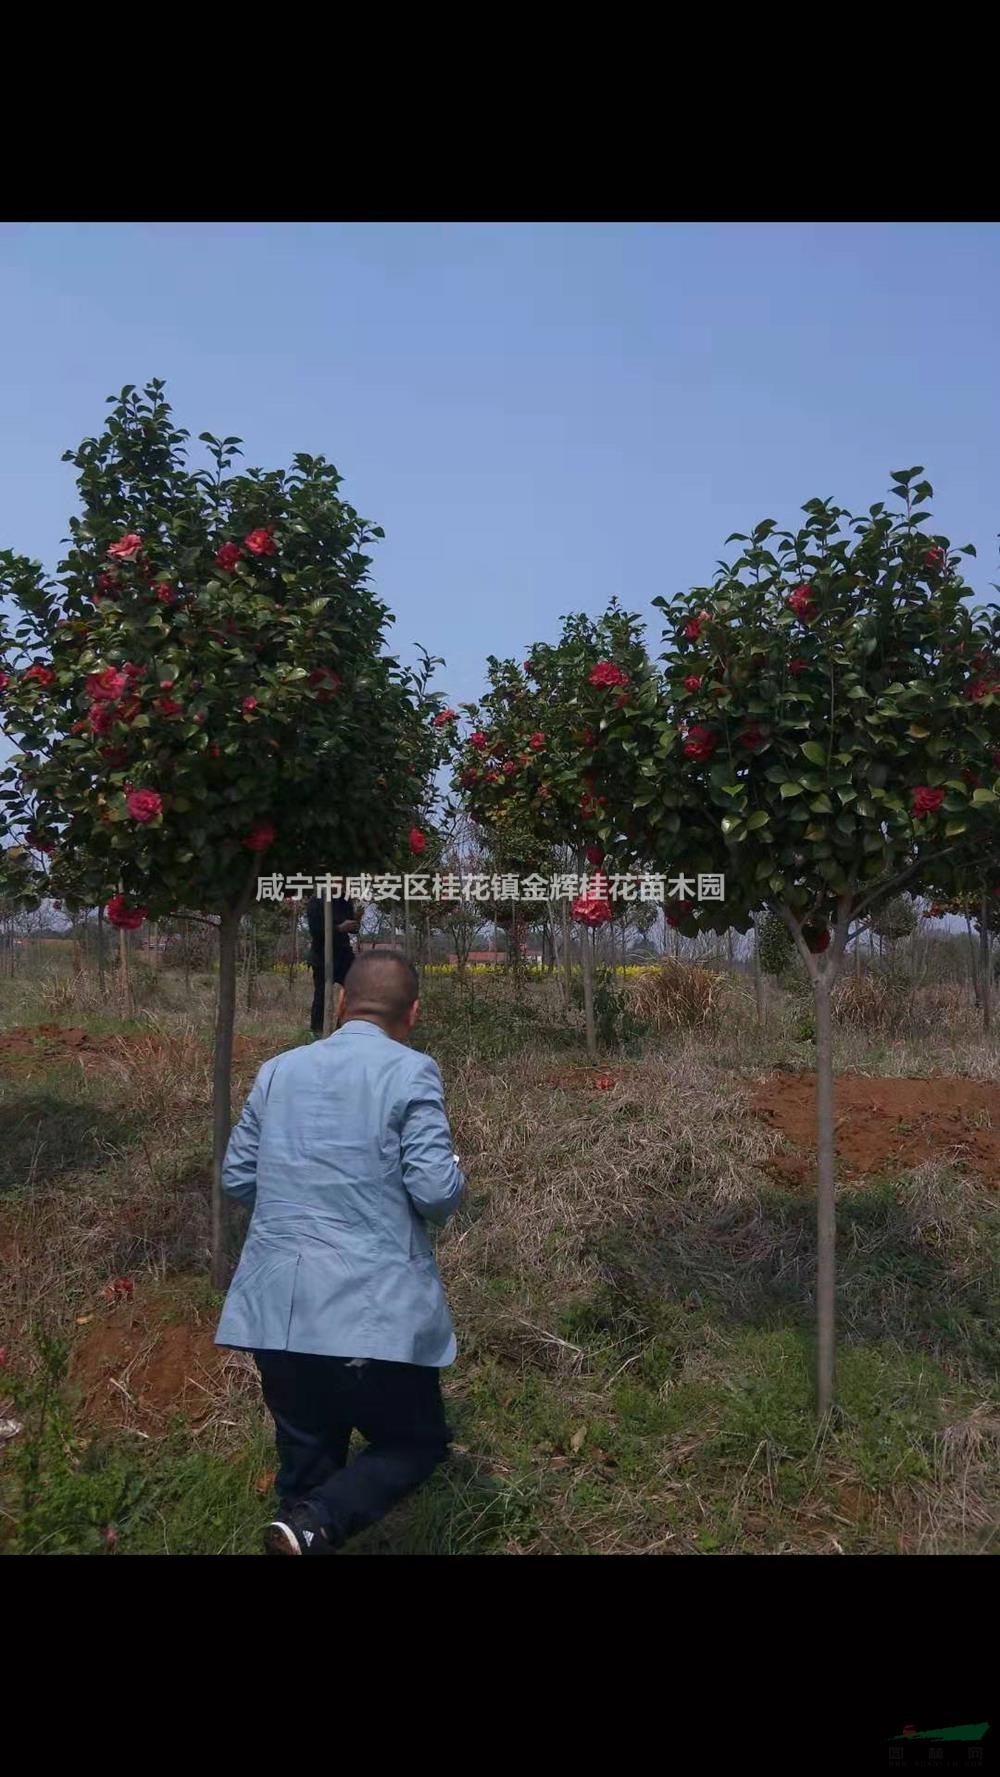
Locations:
column 953, row 828
column 812, row 751
column 980, row 796
column 758, row 819
column 790, row 789
column 917, row 732
column 821, row 805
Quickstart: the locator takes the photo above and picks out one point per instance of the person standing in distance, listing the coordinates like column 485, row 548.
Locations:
column 345, row 1153
column 344, row 923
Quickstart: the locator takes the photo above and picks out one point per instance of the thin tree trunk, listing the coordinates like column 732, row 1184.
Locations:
column 293, row 957
column 330, row 992
column 567, row 955
column 984, row 953
column 758, row 978
column 587, row 963
column 126, row 976
column 101, row 982
column 222, row 1089
column 826, row 1232
column 975, row 966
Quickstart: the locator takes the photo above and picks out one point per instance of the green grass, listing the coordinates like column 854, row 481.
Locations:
column 633, row 1299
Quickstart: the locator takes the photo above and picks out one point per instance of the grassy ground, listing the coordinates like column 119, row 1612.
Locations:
column 631, row 1286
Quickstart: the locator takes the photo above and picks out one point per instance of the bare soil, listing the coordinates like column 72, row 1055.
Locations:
column 885, row 1125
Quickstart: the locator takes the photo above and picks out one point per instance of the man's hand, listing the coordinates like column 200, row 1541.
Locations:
column 350, row 925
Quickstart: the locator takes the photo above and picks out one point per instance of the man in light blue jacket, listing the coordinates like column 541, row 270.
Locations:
column 345, row 1153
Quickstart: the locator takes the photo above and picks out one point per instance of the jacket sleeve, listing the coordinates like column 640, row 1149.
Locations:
column 433, row 1180
column 239, row 1168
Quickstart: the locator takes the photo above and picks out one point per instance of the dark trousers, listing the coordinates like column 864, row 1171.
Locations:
column 341, row 964
column 316, row 1403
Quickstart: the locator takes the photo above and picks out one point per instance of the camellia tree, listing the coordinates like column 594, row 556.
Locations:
column 554, row 751
column 823, row 726
column 202, row 693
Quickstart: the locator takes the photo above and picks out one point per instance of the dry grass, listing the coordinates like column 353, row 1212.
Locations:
column 682, row 996
column 633, row 1296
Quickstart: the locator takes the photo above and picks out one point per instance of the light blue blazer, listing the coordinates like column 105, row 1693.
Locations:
column 345, row 1153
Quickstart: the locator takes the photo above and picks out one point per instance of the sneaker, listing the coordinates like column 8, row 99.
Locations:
column 298, row 1531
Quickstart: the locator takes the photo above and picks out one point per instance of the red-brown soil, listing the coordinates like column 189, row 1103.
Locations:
column 131, row 1371
column 886, row 1125
column 30, row 1048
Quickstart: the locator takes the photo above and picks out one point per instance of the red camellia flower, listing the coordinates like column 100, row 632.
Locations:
column 604, row 1083
column 107, row 685
column 591, row 910
column 692, row 682
column 595, row 854
column 42, row 673
column 327, row 683
column 493, row 777
column 934, row 559
column 528, row 666
column 123, row 1289
column 102, row 717
column 752, row 738
column 261, row 541
column 127, row 547
column 115, row 755
column 588, row 738
column 107, row 584
column 976, row 689
column 4, row 681
column 120, row 914
column 925, row 801
column 700, row 742
column 418, row 840
column 479, row 740
column 817, row 938
column 444, row 716
column 227, row 556
column 132, row 671
column 261, row 835
column 798, row 665
column 509, row 768
column 169, row 706
column 37, row 843
column 801, row 601
column 691, row 629
column 144, row 805
column 536, row 742
column 248, row 705
column 470, row 776
column 166, row 594
column 607, row 673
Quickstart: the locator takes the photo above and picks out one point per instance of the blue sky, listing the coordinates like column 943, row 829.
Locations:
column 539, row 415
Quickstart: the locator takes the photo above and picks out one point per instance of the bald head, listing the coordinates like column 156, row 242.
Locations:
column 383, row 987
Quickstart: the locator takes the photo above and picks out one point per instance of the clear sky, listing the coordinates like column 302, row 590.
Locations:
column 539, row 415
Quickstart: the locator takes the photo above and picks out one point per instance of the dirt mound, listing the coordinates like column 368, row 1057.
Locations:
column 131, row 1373
column 40, row 1045
column 29, row 1047
column 884, row 1125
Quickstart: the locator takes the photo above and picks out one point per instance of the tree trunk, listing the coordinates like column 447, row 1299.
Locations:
column 567, row 955
column 330, row 989
column 126, row 977
column 826, row 1206
column 293, row 954
column 758, row 978
column 975, row 966
column 101, row 982
column 984, row 955
column 222, row 1091
column 251, row 966
column 587, row 962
